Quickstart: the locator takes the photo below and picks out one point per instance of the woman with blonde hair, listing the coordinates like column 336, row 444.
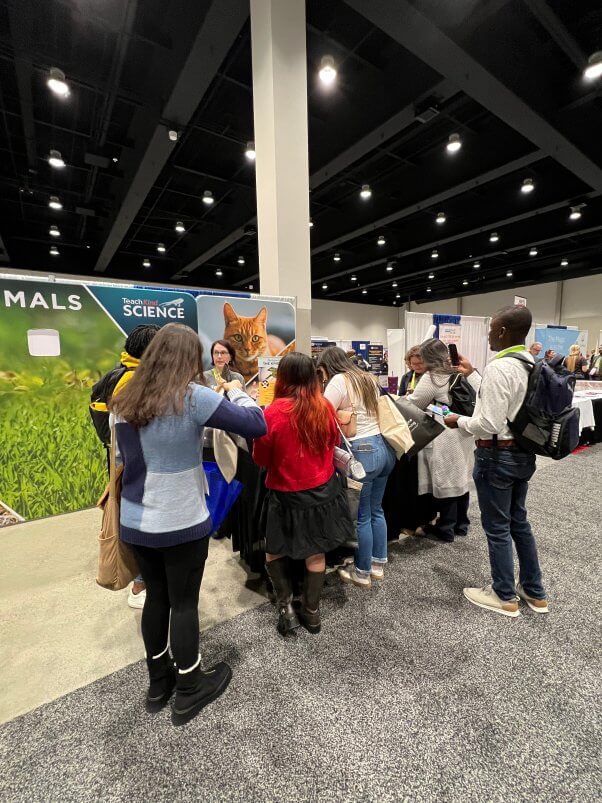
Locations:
column 574, row 362
column 350, row 389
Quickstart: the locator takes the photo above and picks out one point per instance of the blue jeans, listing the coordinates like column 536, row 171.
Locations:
column 502, row 479
column 378, row 459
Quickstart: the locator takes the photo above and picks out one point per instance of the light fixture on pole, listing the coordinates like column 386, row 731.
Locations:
column 241, row 260
column 465, row 282
column 441, row 218
column 364, row 292
column 434, row 254
column 398, row 295
column 454, row 143
column 250, row 151
column 533, row 252
column 564, row 262
column 394, row 284
column 219, row 272
column 54, row 251
column 337, row 257
column 476, row 264
column 54, row 231
column 428, row 290
column 354, row 278
column 180, row 228
column 161, row 248
column 527, row 186
column 431, row 275
column 509, row 274
column 494, row 237
column 594, row 66
column 328, row 72
column 54, row 202
column 208, row 197
column 57, row 84
column 146, row 263
column 365, row 192
column 324, row 287
column 389, row 267
column 381, row 240
column 55, row 159
column 575, row 213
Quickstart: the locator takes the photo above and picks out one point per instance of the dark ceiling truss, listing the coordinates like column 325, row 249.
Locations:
column 557, row 31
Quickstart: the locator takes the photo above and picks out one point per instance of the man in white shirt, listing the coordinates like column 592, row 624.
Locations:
column 535, row 350
column 502, row 471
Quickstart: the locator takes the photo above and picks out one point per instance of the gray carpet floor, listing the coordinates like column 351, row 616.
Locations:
column 409, row 692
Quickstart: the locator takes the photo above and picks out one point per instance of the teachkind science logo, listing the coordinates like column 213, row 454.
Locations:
column 131, row 307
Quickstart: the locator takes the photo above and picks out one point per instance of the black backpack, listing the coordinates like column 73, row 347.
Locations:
column 463, row 396
column 546, row 424
column 101, row 393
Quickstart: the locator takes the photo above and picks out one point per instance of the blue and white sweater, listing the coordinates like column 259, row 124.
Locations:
column 164, row 485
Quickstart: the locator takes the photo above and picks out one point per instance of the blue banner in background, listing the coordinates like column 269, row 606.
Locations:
column 556, row 337
column 130, row 307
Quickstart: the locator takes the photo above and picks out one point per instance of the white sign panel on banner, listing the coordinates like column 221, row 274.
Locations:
column 519, row 301
column 450, row 333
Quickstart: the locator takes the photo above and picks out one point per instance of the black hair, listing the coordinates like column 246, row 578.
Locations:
column 516, row 319
column 139, row 338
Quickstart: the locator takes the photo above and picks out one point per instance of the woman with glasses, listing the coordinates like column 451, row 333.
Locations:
column 222, row 354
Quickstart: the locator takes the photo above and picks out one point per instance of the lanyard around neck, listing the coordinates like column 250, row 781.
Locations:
column 511, row 350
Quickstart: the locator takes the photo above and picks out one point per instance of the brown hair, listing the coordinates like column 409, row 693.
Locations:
column 414, row 351
column 333, row 361
column 173, row 360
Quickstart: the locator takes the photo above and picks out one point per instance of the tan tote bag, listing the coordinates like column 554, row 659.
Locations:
column 393, row 427
column 116, row 562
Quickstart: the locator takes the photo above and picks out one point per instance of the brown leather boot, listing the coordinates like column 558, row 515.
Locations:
column 310, row 610
column 279, row 575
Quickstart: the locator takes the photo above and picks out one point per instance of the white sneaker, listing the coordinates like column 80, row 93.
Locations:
column 488, row 599
column 537, row 605
column 377, row 572
column 348, row 574
column 137, row 600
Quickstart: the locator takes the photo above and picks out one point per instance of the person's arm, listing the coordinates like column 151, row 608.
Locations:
column 496, row 396
column 336, row 391
column 424, row 392
column 237, row 413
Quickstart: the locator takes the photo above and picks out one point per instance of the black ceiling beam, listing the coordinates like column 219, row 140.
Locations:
column 3, row 252
column 219, row 29
column 20, row 15
column 420, row 36
column 557, row 31
column 439, row 198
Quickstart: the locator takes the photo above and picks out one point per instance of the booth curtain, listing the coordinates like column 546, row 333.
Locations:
column 474, row 342
column 438, row 319
column 417, row 326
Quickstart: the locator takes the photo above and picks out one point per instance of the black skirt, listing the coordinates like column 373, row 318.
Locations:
column 304, row 523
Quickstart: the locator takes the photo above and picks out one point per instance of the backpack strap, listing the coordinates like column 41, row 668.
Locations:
column 525, row 361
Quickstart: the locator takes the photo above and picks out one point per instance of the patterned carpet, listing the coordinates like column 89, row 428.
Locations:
column 409, row 693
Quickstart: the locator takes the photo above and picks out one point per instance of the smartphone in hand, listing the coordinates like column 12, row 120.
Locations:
column 453, row 354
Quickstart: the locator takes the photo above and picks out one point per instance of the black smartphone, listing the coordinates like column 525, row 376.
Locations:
column 453, row 354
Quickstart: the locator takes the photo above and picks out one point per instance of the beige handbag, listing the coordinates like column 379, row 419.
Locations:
column 393, row 427
column 116, row 562
column 347, row 419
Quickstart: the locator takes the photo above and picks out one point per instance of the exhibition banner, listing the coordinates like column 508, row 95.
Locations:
column 557, row 338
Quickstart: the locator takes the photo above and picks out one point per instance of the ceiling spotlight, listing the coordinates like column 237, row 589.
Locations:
column 115, row 159
column 398, row 295
column 173, row 135
column 55, row 159
column 54, row 203
column 54, row 231
column 146, row 263
column 454, row 143
column 575, row 213
column 509, row 274
column 533, row 252
column 219, row 272
column 208, row 197
column 311, row 223
column 54, row 251
column 250, row 151
column 389, row 267
column 594, row 66
column 394, row 284
column 381, row 240
column 161, row 248
column 494, row 237
column 328, row 72
column 56, row 82
column 354, row 278
column 431, row 275
column 527, row 186
column 324, row 287
column 180, row 227
column 465, row 282
column 435, row 254
column 365, row 192
column 440, row 217
column 241, row 260
column 564, row 263
column 88, row 247
column 476, row 264
column 428, row 290
column 364, row 292
column 337, row 257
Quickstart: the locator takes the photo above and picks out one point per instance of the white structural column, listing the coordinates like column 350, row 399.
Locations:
column 282, row 169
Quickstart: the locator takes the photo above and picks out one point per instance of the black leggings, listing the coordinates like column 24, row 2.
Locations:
column 173, row 578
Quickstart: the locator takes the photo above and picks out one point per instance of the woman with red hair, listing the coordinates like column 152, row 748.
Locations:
column 305, row 513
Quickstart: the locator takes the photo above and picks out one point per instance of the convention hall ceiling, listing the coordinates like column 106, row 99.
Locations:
column 519, row 202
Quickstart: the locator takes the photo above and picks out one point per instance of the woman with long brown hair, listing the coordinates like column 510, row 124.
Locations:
column 348, row 388
column 159, row 420
column 305, row 513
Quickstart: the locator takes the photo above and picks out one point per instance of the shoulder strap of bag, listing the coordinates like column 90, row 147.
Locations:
column 113, row 466
column 344, row 439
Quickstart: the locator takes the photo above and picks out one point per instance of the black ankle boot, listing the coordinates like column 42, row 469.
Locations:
column 278, row 573
column 162, row 674
column 196, row 689
column 310, row 610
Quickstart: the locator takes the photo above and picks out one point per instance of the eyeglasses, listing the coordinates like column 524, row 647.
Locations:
column 221, row 354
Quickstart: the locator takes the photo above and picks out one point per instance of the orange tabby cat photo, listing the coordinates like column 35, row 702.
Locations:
column 250, row 339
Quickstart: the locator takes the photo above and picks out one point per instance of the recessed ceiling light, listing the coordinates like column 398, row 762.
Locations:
column 394, row 284
column 219, row 272
column 354, row 278
column 594, row 66
column 381, row 240
column 494, row 237
column 454, row 143
column 575, row 213
column 208, row 197
column 337, row 257
column 173, row 135
column 161, row 248
column 476, row 264
column 54, row 251
column 364, row 292
column 54, row 202
column 54, row 231
column 533, row 252
column 115, row 159
column 365, row 192
column 55, row 159
column 250, row 151
column 180, row 227
column 428, row 290
column 509, row 274
column 241, row 260
column 527, row 186
column 431, row 275
column 440, row 217
column 56, row 82
column 328, row 72
column 146, row 263
column 564, row 263
column 324, row 287
column 435, row 254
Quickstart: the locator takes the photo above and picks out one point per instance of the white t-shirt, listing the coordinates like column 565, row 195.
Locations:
column 338, row 394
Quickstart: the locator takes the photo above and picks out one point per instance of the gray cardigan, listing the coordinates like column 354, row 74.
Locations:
column 211, row 382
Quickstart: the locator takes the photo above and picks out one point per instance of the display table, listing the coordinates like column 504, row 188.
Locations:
column 588, row 400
